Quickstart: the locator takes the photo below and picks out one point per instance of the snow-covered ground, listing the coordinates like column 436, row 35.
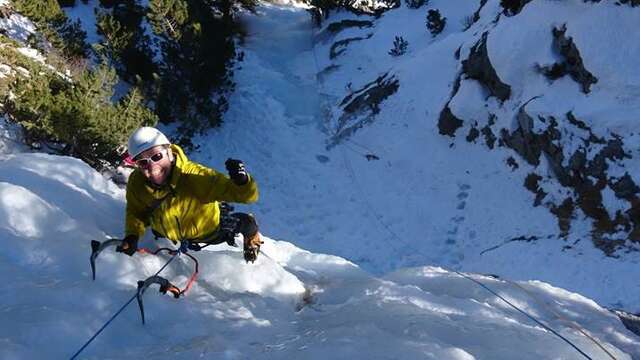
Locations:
column 291, row 304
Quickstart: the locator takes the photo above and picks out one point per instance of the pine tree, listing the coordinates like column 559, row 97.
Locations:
column 168, row 17
column 196, row 41
column 41, row 11
column 125, row 43
column 77, row 117
column 117, row 37
column 65, row 35
column 73, row 39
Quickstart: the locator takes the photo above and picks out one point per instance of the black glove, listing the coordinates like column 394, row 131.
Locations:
column 237, row 172
column 129, row 245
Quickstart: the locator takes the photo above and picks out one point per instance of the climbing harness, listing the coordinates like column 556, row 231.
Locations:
column 524, row 313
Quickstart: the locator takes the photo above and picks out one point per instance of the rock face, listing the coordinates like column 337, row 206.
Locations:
column 339, row 47
column 348, row 23
column 476, row 15
column 586, row 177
column 478, row 67
column 513, row 7
column 335, row 28
column 572, row 63
column 360, row 107
column 588, row 163
column 573, row 170
column 448, row 123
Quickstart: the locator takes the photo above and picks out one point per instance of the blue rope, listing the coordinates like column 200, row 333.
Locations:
column 119, row 311
column 525, row 313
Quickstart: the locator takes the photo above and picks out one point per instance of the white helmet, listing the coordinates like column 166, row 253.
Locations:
column 145, row 138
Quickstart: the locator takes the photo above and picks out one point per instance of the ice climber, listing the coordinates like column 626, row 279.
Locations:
column 181, row 200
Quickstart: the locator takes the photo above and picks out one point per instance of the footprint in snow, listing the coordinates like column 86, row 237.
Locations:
column 453, row 247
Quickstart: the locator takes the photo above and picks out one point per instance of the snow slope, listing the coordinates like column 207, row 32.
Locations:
column 291, row 304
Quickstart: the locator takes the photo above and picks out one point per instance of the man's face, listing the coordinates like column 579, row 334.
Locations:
column 155, row 164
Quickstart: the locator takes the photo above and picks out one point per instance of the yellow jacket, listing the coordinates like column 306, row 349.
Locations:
column 186, row 207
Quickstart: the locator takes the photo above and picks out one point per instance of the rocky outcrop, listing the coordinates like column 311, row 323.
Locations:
column 473, row 134
column 531, row 184
column 360, row 107
column 476, row 15
column 485, row 131
column 336, row 27
column 339, row 47
column 587, row 177
column 524, row 141
column 585, row 169
column 448, row 123
column 513, row 7
column 624, row 187
column 489, row 136
column 478, row 67
column 572, row 63
column 564, row 214
column 322, row 75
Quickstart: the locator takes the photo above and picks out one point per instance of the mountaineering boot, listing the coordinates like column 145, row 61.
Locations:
column 248, row 227
column 252, row 247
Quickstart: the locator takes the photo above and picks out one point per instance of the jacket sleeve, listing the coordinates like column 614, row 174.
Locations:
column 135, row 221
column 221, row 188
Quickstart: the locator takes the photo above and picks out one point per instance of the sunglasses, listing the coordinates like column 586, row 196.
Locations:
column 147, row 161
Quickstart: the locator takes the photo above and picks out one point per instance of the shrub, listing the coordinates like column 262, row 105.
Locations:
column 415, row 4
column 435, row 22
column 399, row 46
